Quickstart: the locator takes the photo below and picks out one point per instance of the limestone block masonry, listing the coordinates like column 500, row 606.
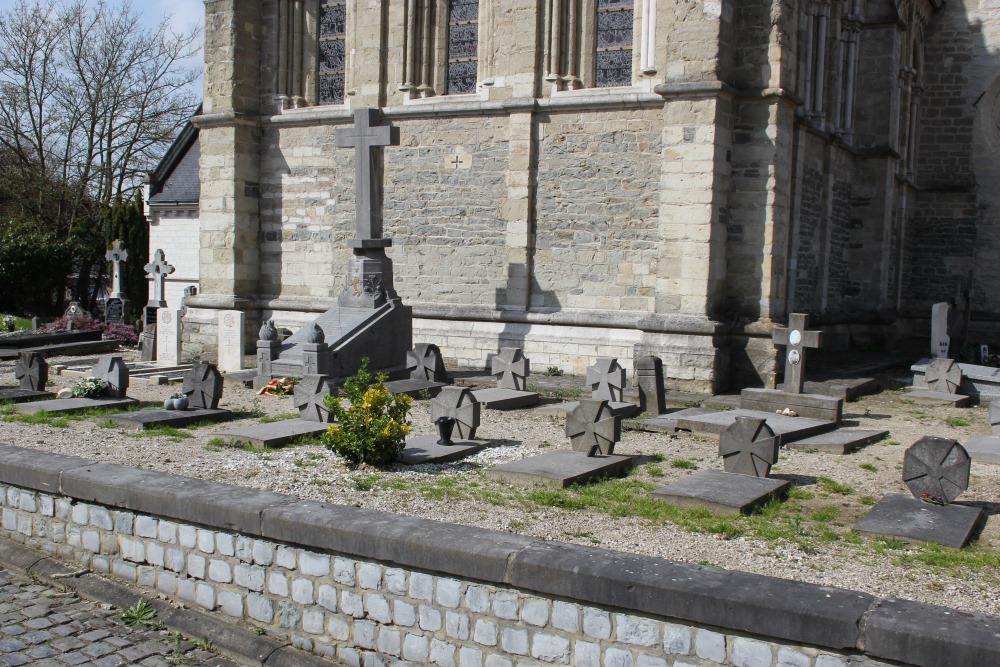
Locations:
column 367, row 587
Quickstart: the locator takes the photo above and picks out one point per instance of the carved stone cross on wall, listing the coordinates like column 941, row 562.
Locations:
column 157, row 271
column 797, row 339
column 117, row 255
column 366, row 136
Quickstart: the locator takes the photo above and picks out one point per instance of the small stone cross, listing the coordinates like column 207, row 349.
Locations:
column 748, row 447
column 797, row 339
column 459, row 404
column 511, row 369
column 592, row 429
column 158, row 270
column 203, row 386
column 310, row 398
column 365, row 137
column 459, row 161
column 32, row 371
column 606, row 379
column 117, row 255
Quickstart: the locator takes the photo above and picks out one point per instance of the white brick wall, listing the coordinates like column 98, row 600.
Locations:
column 176, row 233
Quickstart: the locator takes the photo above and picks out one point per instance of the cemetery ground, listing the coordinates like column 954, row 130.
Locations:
column 807, row 537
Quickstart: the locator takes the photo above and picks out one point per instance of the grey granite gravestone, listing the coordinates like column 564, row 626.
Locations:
column 426, row 363
column 68, row 406
column 273, row 434
column 310, row 398
column 592, row 429
column 607, row 380
column 841, row 441
column 785, row 428
column 113, row 371
column 943, row 377
column 149, row 419
column 459, row 404
column 116, row 304
column 983, row 449
column 511, row 368
column 936, row 470
column 31, row 371
column 203, row 386
column 649, row 379
column 748, row 447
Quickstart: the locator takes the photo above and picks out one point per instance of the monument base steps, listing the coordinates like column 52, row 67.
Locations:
column 807, row 405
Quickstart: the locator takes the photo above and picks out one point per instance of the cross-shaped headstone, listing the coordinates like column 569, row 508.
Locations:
column 748, row 447
column 796, row 339
column 606, row 379
column 365, row 137
column 310, row 398
column 157, row 271
column 592, row 429
column 31, row 371
column 113, row 371
column 203, row 386
column 425, row 363
column 936, row 469
column 943, row 375
column 459, row 404
column 511, row 369
column 117, row 256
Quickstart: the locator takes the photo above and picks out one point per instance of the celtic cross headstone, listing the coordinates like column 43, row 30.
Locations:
column 748, row 447
column 203, row 386
column 592, row 429
column 310, row 398
column 157, row 271
column 113, row 371
column 511, row 369
column 796, row 340
column 459, row 404
column 936, row 470
column 31, row 371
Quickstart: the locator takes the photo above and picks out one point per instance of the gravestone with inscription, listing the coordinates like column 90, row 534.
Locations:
column 936, row 470
column 796, row 339
column 168, row 337
column 369, row 320
column 593, row 431
column 940, row 340
column 511, row 369
column 748, row 448
column 32, row 373
column 116, row 305
column 231, row 343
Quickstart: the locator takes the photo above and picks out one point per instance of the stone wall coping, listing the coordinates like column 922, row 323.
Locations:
column 889, row 629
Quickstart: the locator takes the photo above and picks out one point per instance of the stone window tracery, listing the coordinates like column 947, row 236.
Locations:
column 332, row 51
column 463, row 46
column 614, row 38
column 441, row 47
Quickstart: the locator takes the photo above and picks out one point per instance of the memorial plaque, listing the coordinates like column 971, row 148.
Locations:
column 168, row 337
column 114, row 311
column 231, row 344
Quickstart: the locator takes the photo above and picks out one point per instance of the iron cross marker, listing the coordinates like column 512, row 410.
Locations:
column 366, row 136
column 117, row 255
column 796, row 339
column 157, row 271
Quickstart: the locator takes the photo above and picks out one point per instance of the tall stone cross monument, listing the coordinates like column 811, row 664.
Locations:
column 796, row 339
column 369, row 271
column 116, row 304
column 157, row 271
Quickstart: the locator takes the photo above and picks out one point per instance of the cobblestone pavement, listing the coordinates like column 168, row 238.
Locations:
column 44, row 627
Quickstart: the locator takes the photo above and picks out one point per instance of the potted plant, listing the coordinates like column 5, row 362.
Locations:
column 176, row 402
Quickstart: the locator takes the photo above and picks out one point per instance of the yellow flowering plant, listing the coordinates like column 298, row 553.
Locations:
column 372, row 429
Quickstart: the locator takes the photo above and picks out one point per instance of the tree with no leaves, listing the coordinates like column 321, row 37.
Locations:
column 89, row 99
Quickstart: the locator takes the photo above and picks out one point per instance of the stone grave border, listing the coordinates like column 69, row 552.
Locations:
column 357, row 578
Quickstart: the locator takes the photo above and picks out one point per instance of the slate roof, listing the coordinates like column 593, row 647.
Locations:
column 176, row 180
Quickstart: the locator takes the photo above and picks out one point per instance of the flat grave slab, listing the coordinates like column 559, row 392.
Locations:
column 980, row 382
column 506, row 399
column 666, row 423
column 927, row 397
column 415, row 388
column 807, row 405
column 560, row 469
column 272, row 434
column 18, row 395
column 68, row 406
column 841, row 441
column 786, row 429
column 141, row 371
column 849, row 389
column 64, row 349
column 38, row 339
column 909, row 519
column 721, row 492
column 139, row 421
column 983, row 449
column 425, row 449
column 617, row 408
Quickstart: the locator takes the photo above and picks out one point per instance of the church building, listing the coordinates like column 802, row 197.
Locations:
column 587, row 178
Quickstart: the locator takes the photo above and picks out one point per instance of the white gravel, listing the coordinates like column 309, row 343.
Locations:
column 459, row 493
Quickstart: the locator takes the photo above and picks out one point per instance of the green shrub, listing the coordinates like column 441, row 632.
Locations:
column 373, row 429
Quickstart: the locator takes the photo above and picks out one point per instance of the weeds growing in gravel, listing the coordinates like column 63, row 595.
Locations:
column 870, row 467
column 957, row 422
column 279, row 417
column 833, row 486
column 684, row 464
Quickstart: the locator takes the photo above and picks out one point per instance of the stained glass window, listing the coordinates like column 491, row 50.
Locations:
column 332, row 50
column 613, row 65
column 463, row 45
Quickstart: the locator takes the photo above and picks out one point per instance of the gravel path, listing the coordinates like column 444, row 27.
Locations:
column 810, row 541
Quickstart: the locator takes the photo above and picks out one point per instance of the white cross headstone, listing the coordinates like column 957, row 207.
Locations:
column 940, row 340
column 168, row 337
column 157, row 271
column 231, row 325
column 117, row 256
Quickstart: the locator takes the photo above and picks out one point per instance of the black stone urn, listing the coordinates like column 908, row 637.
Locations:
column 445, row 427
